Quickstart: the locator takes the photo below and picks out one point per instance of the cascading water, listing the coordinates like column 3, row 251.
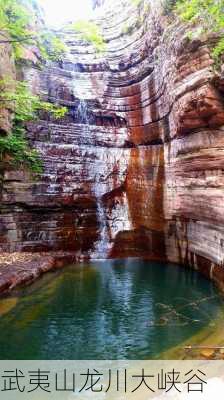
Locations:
column 102, row 245
column 82, row 112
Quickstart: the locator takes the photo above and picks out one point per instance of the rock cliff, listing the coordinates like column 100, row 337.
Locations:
column 136, row 166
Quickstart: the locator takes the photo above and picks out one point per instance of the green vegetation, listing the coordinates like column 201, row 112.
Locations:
column 51, row 47
column 136, row 3
column 168, row 6
column 208, row 14
column 16, row 19
column 16, row 150
column 147, row 8
column 91, row 33
column 195, row 34
column 218, row 51
column 127, row 29
column 26, row 107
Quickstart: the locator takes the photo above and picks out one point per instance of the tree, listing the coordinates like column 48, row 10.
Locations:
column 207, row 14
column 16, row 20
column 26, row 106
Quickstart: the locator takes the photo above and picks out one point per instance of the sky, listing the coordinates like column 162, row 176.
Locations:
column 58, row 12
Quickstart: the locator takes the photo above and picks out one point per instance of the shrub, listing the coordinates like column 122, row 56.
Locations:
column 26, row 108
column 218, row 51
column 16, row 147
column 136, row 3
column 208, row 14
column 26, row 105
column 51, row 47
column 91, row 33
column 16, row 18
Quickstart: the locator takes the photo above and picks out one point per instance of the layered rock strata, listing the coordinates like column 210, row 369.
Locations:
column 136, row 166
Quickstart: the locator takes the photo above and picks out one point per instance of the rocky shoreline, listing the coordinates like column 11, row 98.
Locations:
column 18, row 269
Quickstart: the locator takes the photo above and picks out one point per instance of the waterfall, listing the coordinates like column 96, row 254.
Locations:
column 102, row 245
column 82, row 112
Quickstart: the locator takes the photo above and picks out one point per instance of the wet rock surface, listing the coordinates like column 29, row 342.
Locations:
column 136, row 167
column 21, row 269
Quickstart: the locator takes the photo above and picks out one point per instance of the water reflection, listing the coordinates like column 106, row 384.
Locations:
column 114, row 309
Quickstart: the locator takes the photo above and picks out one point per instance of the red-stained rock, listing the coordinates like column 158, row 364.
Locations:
column 136, row 167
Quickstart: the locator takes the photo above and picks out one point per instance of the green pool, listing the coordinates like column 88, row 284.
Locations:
column 123, row 309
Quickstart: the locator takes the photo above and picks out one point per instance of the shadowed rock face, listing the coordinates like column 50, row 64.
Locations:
column 136, row 167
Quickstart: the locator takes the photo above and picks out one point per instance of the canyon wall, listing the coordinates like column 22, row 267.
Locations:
column 136, row 166
column 7, row 69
